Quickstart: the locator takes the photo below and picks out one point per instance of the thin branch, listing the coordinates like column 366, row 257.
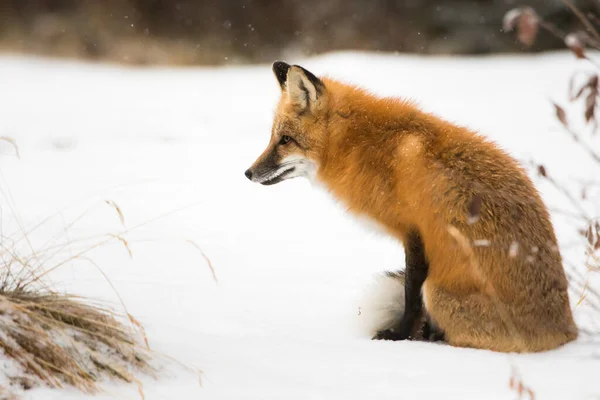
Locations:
column 583, row 19
column 595, row 156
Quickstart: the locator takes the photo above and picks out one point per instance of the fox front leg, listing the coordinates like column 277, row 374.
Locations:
column 417, row 267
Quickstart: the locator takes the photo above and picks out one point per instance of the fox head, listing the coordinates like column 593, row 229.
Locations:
column 299, row 130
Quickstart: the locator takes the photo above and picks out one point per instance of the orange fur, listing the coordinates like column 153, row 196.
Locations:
column 386, row 159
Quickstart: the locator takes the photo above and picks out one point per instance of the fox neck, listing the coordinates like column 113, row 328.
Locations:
column 361, row 166
column 363, row 184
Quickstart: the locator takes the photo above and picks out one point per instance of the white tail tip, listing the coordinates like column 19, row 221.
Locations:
column 382, row 303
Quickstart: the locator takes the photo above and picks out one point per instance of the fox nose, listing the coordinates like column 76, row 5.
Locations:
column 248, row 174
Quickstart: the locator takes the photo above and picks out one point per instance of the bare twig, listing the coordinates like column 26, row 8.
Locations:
column 584, row 20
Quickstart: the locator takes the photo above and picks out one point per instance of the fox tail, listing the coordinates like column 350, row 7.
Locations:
column 382, row 304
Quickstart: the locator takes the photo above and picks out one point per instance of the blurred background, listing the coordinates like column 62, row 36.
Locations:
column 213, row 32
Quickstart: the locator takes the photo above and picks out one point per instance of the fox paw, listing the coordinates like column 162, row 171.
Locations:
column 388, row 334
column 436, row 337
column 431, row 333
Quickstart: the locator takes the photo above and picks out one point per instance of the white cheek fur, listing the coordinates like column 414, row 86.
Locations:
column 302, row 167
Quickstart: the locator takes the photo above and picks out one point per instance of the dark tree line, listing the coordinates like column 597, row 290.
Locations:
column 213, row 31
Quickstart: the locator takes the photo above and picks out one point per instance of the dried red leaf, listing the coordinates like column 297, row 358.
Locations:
column 580, row 91
column 574, row 43
column 590, row 106
column 561, row 115
column 591, row 98
column 589, row 114
column 510, row 19
column 542, row 171
column 593, row 82
column 475, row 208
column 527, row 26
column 590, row 235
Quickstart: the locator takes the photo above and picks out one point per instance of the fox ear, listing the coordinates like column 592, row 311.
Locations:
column 303, row 88
column 280, row 69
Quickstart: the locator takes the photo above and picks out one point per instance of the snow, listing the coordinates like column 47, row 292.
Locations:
column 170, row 146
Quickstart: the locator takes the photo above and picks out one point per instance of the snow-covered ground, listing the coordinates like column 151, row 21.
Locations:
column 170, row 146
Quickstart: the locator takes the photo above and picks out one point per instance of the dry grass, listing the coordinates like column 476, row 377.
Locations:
column 60, row 340
column 54, row 339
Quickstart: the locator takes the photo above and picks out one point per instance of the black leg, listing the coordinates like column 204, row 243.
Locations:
column 417, row 267
column 431, row 332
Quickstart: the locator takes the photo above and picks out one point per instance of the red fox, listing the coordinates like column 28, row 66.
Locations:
column 483, row 268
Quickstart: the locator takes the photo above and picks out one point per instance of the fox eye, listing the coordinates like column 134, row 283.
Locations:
column 285, row 139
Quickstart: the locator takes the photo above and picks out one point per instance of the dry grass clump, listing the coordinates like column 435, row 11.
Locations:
column 52, row 339
column 60, row 340
column 55, row 339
